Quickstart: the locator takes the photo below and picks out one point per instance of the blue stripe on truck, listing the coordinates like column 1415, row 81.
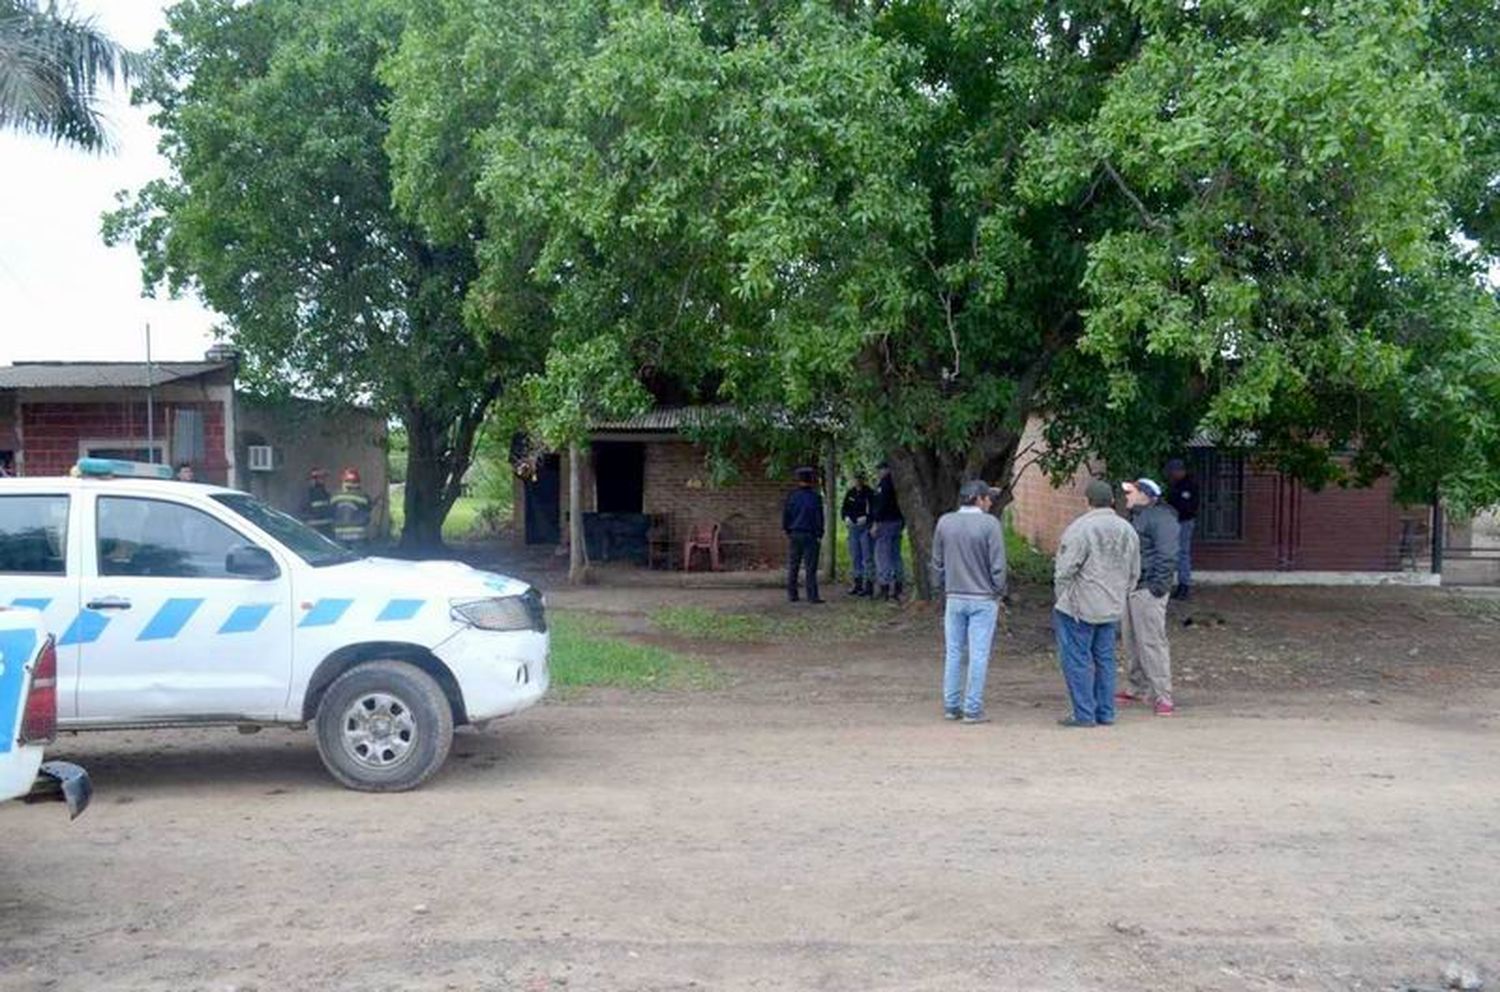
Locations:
column 247, row 619
column 325, row 612
column 170, row 619
column 16, row 649
column 85, row 628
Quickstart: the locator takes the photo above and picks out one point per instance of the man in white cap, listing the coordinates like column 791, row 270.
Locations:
column 968, row 564
column 1148, row 659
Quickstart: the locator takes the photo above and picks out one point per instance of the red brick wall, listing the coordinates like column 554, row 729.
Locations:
column 51, row 432
column 679, row 486
column 1286, row 525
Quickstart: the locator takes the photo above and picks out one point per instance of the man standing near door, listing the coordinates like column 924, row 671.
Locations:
column 802, row 520
column 1182, row 495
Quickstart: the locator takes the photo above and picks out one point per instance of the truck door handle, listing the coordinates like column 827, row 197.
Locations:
column 109, row 603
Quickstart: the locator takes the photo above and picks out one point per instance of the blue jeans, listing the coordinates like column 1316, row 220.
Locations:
column 861, row 551
column 1087, row 654
column 968, row 622
column 888, row 566
column 1185, row 552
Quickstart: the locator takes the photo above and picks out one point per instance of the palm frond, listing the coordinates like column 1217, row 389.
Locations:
column 53, row 65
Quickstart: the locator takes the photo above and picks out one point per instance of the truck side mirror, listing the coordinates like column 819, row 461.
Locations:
column 251, row 562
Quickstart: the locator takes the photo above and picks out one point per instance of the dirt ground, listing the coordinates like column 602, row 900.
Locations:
column 1323, row 813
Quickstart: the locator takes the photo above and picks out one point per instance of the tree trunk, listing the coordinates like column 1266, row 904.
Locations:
column 440, row 448
column 927, row 483
column 425, row 499
column 575, row 517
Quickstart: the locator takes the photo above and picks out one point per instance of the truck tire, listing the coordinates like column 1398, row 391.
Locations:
column 384, row 726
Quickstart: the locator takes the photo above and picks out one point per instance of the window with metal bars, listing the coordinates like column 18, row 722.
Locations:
column 1221, row 491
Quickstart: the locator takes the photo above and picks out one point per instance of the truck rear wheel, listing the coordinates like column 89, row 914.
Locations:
column 384, row 726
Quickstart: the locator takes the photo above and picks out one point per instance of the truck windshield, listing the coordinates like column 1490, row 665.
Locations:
column 300, row 539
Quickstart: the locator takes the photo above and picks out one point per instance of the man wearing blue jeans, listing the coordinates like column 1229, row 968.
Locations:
column 968, row 564
column 886, row 525
column 1098, row 563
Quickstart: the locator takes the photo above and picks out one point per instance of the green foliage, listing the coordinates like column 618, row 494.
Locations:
column 52, row 66
column 278, row 212
column 586, row 653
column 934, row 219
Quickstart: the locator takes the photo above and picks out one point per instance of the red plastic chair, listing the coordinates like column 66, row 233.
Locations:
column 702, row 537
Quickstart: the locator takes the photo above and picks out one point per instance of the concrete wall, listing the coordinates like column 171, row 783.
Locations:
column 306, row 435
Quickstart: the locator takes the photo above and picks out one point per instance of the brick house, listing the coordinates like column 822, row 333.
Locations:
column 1255, row 523
column 645, row 485
column 53, row 413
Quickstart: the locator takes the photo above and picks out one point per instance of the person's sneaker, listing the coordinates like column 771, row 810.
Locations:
column 1128, row 697
column 1164, row 707
column 976, row 718
column 952, row 715
column 1069, row 721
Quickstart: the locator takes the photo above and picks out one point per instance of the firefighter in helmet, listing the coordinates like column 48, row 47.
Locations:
column 351, row 512
column 317, row 505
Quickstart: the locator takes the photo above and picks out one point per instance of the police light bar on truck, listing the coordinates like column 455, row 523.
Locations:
column 115, row 468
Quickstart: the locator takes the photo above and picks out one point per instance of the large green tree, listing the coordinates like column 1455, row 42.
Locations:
column 279, row 213
column 941, row 218
column 53, row 64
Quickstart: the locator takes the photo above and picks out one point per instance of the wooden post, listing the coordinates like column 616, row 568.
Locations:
column 575, row 516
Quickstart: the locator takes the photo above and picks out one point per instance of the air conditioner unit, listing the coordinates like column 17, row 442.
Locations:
column 262, row 458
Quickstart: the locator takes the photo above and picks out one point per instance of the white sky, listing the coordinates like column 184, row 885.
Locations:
column 63, row 294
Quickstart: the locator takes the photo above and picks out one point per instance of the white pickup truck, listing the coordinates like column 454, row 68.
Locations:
column 175, row 604
column 28, row 716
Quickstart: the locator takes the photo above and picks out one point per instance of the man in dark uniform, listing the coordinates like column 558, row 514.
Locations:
column 856, row 514
column 1182, row 496
column 886, row 525
column 802, row 519
column 317, row 508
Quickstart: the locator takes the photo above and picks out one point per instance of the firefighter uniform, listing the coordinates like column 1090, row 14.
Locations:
column 351, row 512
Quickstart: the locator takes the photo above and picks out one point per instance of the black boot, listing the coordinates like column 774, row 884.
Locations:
column 866, row 588
column 858, row 589
column 899, row 590
column 884, row 593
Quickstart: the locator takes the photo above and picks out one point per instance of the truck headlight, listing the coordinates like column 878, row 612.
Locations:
column 523, row 612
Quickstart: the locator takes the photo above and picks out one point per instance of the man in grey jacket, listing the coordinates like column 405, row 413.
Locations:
column 968, row 564
column 1148, row 657
column 1098, row 563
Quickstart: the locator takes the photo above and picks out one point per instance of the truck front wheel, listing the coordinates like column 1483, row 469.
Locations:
column 384, row 726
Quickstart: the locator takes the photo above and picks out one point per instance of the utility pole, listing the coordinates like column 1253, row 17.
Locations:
column 150, row 403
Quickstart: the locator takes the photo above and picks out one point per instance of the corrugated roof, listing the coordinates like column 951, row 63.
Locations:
column 661, row 419
column 102, row 375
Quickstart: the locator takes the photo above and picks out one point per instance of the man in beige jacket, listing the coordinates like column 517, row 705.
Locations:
column 1098, row 563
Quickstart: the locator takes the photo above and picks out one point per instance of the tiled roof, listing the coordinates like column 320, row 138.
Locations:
column 103, row 375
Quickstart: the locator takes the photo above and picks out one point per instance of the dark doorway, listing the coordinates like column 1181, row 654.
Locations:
column 544, row 502
column 620, row 476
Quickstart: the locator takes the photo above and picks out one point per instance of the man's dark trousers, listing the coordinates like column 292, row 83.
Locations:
column 1087, row 654
column 802, row 548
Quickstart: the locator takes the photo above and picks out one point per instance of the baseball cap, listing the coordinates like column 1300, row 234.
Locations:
column 1147, row 486
column 975, row 488
column 1176, row 465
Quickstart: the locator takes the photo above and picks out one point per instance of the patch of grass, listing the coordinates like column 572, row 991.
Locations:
column 832, row 623
column 464, row 522
column 586, row 653
column 1026, row 563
